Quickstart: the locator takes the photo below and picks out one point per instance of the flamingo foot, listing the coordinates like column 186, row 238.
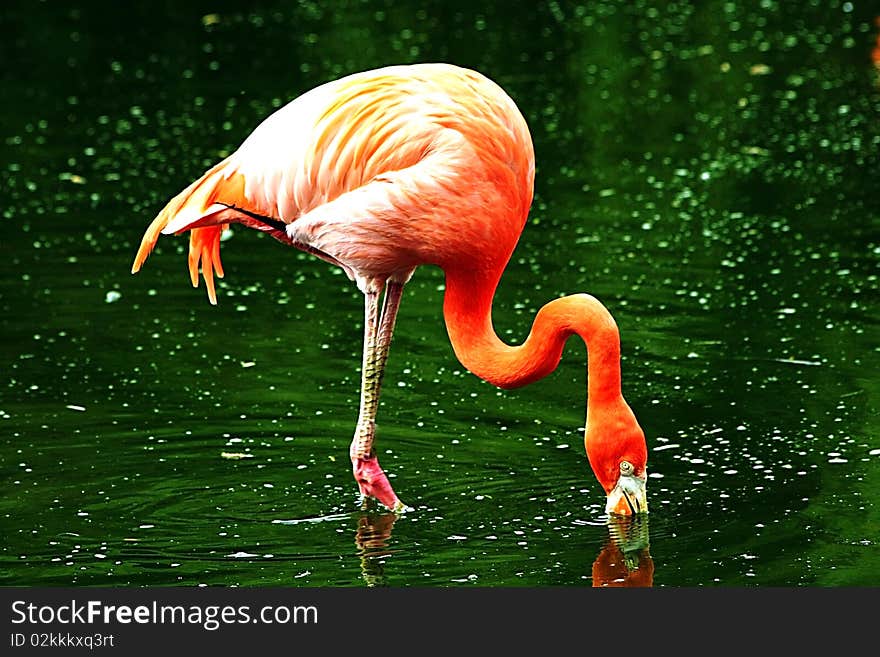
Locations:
column 373, row 482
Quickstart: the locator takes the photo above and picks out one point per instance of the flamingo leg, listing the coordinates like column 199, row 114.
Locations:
column 378, row 332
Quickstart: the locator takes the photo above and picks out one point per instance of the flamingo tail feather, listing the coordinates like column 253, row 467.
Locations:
column 196, row 210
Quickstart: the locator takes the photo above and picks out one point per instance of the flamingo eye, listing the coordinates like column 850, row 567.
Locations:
column 626, row 468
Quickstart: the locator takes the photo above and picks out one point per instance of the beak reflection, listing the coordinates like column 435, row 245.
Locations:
column 625, row 561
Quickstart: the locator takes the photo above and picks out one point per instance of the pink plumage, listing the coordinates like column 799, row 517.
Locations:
column 383, row 171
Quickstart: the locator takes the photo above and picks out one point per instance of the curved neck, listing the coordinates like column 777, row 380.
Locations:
column 467, row 308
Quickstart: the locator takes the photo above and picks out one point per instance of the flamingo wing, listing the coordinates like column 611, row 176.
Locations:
column 360, row 171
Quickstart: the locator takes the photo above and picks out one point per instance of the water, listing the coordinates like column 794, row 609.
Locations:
column 707, row 170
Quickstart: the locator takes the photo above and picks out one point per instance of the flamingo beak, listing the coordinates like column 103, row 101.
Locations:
column 629, row 497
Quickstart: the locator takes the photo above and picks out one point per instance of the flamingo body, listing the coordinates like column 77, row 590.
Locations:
column 383, row 171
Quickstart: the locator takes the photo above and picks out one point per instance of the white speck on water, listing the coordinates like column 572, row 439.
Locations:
column 74, row 407
column 112, row 296
column 242, row 555
column 796, row 361
column 456, row 537
column 667, row 446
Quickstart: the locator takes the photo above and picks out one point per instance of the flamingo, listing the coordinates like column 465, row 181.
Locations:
column 385, row 170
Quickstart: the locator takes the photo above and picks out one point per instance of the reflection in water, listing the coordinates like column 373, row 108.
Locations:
column 625, row 560
column 372, row 538
column 875, row 52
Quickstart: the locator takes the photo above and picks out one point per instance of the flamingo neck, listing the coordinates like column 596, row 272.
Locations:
column 467, row 309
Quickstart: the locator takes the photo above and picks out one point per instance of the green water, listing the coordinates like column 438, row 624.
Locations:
column 708, row 170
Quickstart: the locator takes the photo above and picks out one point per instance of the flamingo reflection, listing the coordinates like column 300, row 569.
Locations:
column 625, row 560
column 372, row 538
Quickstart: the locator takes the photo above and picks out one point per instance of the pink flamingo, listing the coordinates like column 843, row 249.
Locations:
column 385, row 170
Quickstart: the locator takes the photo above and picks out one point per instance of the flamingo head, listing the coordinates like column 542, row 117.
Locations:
column 618, row 454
